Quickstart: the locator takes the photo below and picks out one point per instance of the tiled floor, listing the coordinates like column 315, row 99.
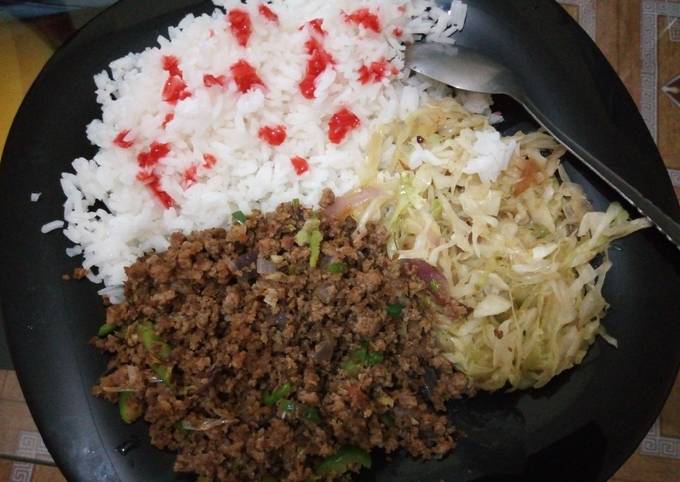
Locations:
column 641, row 38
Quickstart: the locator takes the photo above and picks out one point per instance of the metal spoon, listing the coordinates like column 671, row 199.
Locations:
column 467, row 69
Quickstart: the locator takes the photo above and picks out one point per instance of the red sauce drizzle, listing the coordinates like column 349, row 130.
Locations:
column 375, row 71
column 168, row 118
column 319, row 60
column 274, row 135
column 211, row 80
column 300, row 165
column 209, row 161
column 171, row 65
column 340, row 124
column 267, row 13
column 120, row 140
column 189, row 176
column 156, row 152
column 240, row 24
column 365, row 18
column 398, row 32
column 154, row 184
column 245, row 76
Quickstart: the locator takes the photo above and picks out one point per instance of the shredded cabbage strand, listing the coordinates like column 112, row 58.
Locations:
column 517, row 241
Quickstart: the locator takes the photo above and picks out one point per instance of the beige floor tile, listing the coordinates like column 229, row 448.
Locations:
column 3, row 377
column 669, row 113
column 15, row 417
column 670, row 416
column 44, row 473
column 5, row 469
column 573, row 11
column 12, row 390
column 649, row 469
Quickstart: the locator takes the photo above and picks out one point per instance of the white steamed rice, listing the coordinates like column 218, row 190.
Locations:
column 249, row 174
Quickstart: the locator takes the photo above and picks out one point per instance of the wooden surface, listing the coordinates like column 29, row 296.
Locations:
column 617, row 26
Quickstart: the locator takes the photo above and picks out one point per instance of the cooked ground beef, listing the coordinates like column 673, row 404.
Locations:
column 250, row 363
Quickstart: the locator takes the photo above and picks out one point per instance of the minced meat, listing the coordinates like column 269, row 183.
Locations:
column 252, row 364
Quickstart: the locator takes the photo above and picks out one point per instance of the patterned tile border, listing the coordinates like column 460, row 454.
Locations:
column 674, row 28
column 651, row 10
column 31, row 446
column 657, row 445
column 675, row 176
column 21, row 472
column 587, row 14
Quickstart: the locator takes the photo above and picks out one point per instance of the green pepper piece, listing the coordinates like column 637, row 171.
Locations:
column 395, row 309
column 238, row 217
column 337, row 267
column 374, row 358
column 539, row 230
column 311, row 414
column 106, row 329
column 436, row 209
column 302, row 237
column 152, row 341
column 387, row 418
column 286, row 406
column 351, row 367
column 164, row 372
column 129, row 407
column 345, row 459
column 268, row 478
column 277, row 394
column 295, row 202
column 314, row 247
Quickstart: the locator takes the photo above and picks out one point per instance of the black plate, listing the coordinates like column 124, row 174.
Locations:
column 581, row 427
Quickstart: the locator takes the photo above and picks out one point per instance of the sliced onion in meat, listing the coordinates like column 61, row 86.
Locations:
column 118, row 389
column 434, row 279
column 344, row 205
column 438, row 286
column 205, row 425
column 264, row 266
column 245, row 260
column 133, row 374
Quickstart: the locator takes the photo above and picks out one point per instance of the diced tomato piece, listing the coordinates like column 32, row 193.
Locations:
column 267, row 13
column 209, row 161
column 375, row 71
column 190, row 175
column 274, row 135
column 154, row 184
column 156, row 152
column 342, row 122
column 168, row 118
column 120, row 140
column 319, row 60
column 317, row 26
column 175, row 89
column 240, row 24
column 211, row 80
column 364, row 17
column 300, row 165
column 171, row 65
column 398, row 32
column 245, row 76
column 528, row 177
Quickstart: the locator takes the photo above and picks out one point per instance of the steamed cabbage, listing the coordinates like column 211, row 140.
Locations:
column 517, row 241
